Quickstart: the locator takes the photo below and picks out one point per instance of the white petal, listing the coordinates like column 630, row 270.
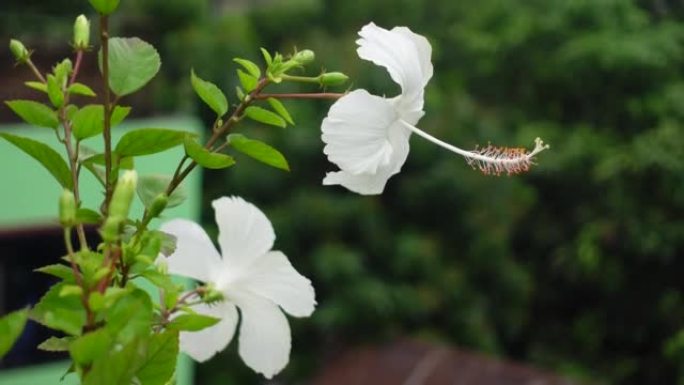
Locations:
column 273, row 277
column 404, row 54
column 195, row 256
column 244, row 231
column 364, row 184
column 204, row 344
column 356, row 132
column 374, row 183
column 264, row 335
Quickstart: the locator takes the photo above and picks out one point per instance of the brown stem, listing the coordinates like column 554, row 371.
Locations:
column 322, row 95
column 77, row 66
column 72, row 154
column 107, row 134
column 219, row 133
column 90, row 316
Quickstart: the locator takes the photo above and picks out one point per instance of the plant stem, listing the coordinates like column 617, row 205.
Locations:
column 90, row 317
column 35, row 71
column 218, row 133
column 322, row 95
column 72, row 153
column 77, row 66
column 107, row 134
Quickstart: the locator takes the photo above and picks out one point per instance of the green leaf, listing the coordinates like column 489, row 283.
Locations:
column 160, row 280
column 150, row 186
column 81, row 89
column 58, row 270
column 55, row 93
column 104, row 7
column 88, row 347
column 89, row 120
column 44, row 154
column 278, row 107
column 206, row 158
column 71, row 290
column 88, row 216
column 11, row 326
column 131, row 316
column 192, row 322
column 60, row 313
column 54, row 344
column 259, row 151
column 248, row 82
column 251, row 67
column 264, row 116
column 132, row 64
column 34, row 113
column 118, row 367
column 267, row 56
column 148, row 141
column 159, row 363
column 37, row 86
column 210, row 94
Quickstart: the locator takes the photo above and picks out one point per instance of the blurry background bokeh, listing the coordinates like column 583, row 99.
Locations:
column 576, row 267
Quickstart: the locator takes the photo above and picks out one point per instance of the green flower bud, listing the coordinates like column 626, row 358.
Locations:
column 104, row 7
column 158, row 205
column 110, row 229
column 210, row 295
column 333, row 79
column 123, row 195
column 81, row 33
column 67, row 208
column 304, row 57
column 19, row 51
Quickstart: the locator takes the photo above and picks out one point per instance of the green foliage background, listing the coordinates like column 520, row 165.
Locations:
column 575, row 267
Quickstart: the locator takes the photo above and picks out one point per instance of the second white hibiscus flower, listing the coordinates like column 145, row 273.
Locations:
column 367, row 136
column 252, row 278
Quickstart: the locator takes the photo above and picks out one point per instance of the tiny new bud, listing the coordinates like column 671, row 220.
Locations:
column 81, row 33
column 123, row 195
column 21, row 54
column 304, row 57
column 67, row 208
column 333, row 79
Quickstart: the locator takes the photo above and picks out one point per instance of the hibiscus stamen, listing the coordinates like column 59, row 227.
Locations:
column 491, row 160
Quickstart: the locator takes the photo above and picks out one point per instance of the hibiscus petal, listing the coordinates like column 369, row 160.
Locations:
column 195, row 255
column 374, row 183
column 356, row 132
column 264, row 335
column 405, row 55
column 204, row 344
column 244, row 231
column 273, row 277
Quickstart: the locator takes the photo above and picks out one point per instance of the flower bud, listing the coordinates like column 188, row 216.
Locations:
column 110, row 229
column 210, row 295
column 19, row 51
column 123, row 195
column 81, row 33
column 158, row 205
column 104, row 7
column 67, row 208
column 304, row 57
column 333, row 79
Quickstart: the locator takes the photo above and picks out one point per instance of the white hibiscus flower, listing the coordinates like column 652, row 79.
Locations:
column 367, row 136
column 252, row 278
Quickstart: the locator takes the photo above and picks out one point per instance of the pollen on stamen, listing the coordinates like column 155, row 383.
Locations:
column 495, row 160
